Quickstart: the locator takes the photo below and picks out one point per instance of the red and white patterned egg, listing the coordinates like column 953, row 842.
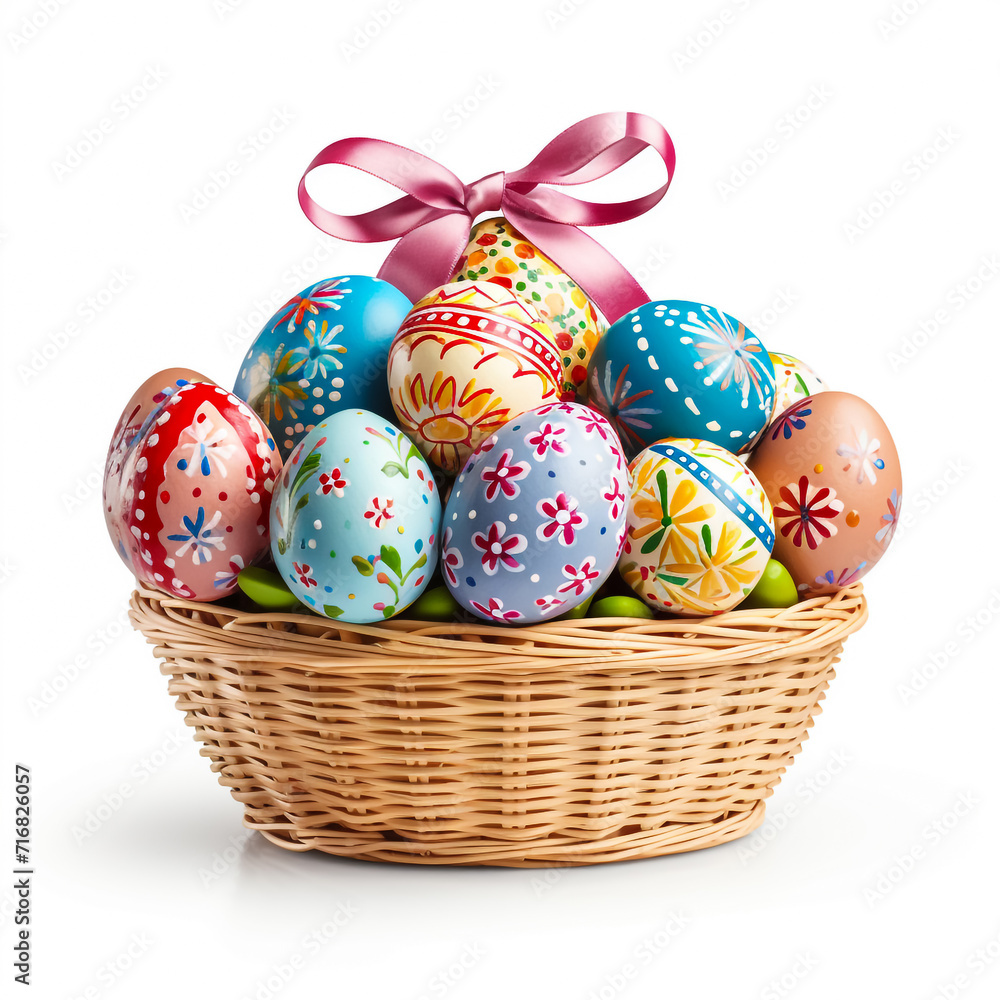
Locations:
column 147, row 398
column 188, row 497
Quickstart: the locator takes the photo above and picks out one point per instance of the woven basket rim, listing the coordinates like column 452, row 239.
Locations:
column 610, row 644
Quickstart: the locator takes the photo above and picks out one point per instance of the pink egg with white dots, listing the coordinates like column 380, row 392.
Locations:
column 188, row 499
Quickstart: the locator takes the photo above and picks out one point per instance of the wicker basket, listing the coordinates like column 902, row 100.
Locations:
column 565, row 743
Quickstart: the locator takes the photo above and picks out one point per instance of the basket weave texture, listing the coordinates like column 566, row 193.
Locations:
column 564, row 743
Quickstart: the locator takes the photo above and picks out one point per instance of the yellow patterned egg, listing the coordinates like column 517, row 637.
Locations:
column 700, row 528
column 793, row 380
column 499, row 254
column 469, row 357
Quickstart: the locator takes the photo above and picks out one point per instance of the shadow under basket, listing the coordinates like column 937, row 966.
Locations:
column 566, row 743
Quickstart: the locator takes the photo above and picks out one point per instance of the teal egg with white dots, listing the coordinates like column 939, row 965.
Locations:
column 324, row 350
column 355, row 519
column 675, row 368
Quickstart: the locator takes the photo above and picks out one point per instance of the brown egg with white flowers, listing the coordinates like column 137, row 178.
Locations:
column 830, row 468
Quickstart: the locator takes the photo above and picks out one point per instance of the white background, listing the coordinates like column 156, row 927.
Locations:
column 876, row 871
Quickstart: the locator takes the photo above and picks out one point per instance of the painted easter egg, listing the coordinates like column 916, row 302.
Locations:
column 700, row 529
column 324, row 350
column 793, row 380
column 620, row 606
column 498, row 253
column 267, row 590
column 144, row 401
column 536, row 519
column 188, row 503
column 775, row 589
column 681, row 369
column 434, row 605
column 469, row 357
column 830, row 468
column 355, row 519
column 580, row 611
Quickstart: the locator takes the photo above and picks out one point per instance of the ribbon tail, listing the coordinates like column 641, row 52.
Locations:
column 427, row 256
column 604, row 280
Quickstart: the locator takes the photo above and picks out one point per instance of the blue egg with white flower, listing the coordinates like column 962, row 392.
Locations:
column 323, row 351
column 675, row 368
column 536, row 519
column 355, row 519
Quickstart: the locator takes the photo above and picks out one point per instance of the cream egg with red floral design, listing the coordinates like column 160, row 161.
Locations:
column 469, row 357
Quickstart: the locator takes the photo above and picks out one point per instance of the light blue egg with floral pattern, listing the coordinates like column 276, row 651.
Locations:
column 324, row 350
column 675, row 368
column 355, row 519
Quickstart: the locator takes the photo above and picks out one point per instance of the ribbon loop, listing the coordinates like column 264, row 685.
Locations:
column 433, row 217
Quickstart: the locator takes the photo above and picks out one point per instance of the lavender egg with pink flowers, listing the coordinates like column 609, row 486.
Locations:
column 536, row 519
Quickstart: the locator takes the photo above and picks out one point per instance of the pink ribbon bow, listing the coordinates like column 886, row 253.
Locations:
column 433, row 218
